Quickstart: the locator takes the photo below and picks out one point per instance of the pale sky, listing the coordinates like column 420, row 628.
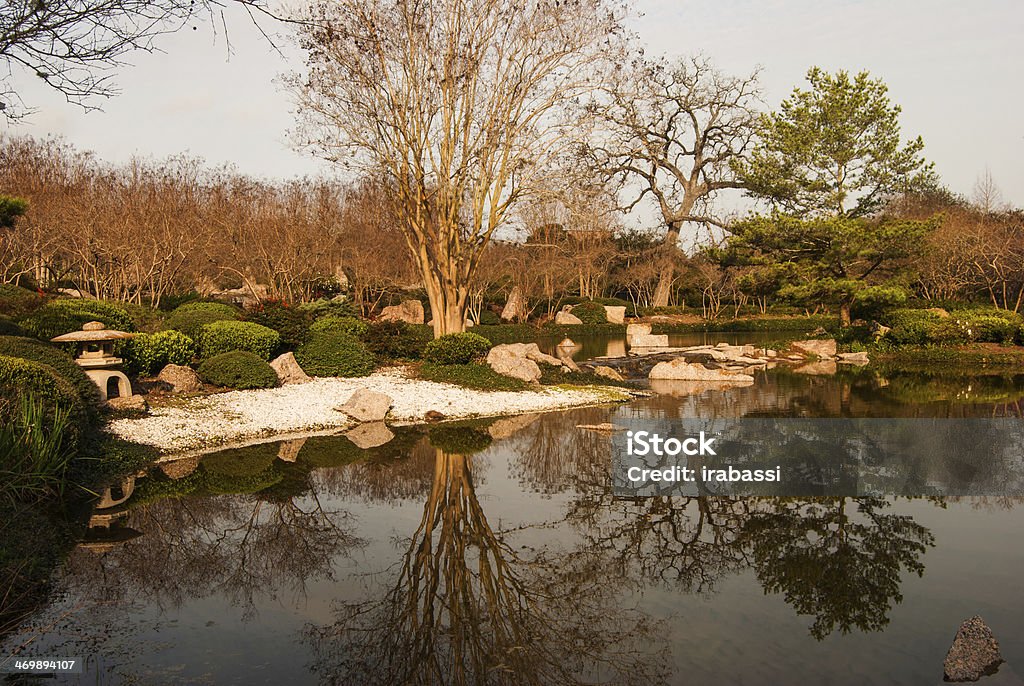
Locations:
column 955, row 67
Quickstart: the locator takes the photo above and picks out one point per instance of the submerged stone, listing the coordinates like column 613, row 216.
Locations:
column 974, row 653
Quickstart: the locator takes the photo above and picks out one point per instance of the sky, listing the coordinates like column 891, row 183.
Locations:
column 955, row 67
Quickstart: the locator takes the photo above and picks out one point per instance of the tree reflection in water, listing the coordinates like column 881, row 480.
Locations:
column 467, row 607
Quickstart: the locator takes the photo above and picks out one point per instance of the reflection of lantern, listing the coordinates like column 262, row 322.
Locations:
column 96, row 357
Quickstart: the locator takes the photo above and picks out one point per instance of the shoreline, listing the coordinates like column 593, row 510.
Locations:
column 180, row 427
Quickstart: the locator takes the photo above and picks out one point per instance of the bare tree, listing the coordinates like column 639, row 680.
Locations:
column 456, row 102
column 677, row 130
column 987, row 196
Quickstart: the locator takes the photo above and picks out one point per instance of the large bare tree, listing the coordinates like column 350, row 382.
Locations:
column 674, row 131
column 457, row 102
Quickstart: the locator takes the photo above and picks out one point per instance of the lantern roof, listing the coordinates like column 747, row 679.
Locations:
column 92, row 332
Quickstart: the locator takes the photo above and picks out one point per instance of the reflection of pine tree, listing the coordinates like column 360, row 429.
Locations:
column 466, row 608
column 842, row 568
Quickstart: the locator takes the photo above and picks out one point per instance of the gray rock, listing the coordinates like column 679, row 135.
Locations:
column 681, row 370
column 616, row 314
column 859, row 359
column 974, row 653
column 367, row 406
column 134, row 403
column 637, row 329
column 608, row 373
column 288, row 370
column 648, row 341
column 409, row 311
column 567, row 318
column 370, row 435
column 825, row 348
column 515, row 306
column 181, row 379
column 511, row 360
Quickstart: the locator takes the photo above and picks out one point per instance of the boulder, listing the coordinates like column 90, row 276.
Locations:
column 288, row 370
column 181, row 379
column 567, row 318
column 681, row 370
column 608, row 373
column 366, row 406
column 409, row 311
column 859, row 359
column 637, row 329
column 369, row 435
column 515, row 306
column 824, row 348
column 649, row 341
column 519, row 360
column 771, row 353
column 974, row 653
column 133, row 403
column 616, row 314
column 288, row 451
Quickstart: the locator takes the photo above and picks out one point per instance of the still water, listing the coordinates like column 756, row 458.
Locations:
column 495, row 553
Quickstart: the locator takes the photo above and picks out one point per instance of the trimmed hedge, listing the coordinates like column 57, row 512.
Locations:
column 238, row 369
column 226, row 336
column 590, row 313
column 290, row 322
column 397, row 340
column 328, row 308
column 16, row 301
column 62, row 363
column 59, row 317
column 9, row 328
column 980, row 325
column 456, row 348
column 346, row 325
column 330, row 353
column 148, row 353
column 20, row 377
column 190, row 318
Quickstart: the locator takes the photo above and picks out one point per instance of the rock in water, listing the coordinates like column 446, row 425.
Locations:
column 680, row 369
column 181, row 379
column 288, row 370
column 822, row 348
column 859, row 359
column 974, row 653
column 366, row 406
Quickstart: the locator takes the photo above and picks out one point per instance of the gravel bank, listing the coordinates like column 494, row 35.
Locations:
column 190, row 424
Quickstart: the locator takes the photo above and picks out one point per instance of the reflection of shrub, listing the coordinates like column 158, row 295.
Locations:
column 590, row 313
column 238, row 369
column 223, row 484
column 246, row 461
column 225, row 336
column 397, row 340
column 148, row 353
column 459, row 440
column 291, row 323
column 456, row 348
column 333, row 324
column 190, row 318
column 334, row 354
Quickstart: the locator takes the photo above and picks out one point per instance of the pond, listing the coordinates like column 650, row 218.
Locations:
column 605, row 345
column 495, row 552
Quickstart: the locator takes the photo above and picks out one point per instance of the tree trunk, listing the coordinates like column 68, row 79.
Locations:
column 448, row 305
column 670, row 247
column 844, row 314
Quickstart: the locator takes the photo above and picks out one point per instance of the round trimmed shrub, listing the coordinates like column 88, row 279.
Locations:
column 228, row 335
column 290, row 322
column 148, row 353
column 238, row 369
column 59, row 317
column 58, row 360
column 346, row 325
column 190, row 318
column 397, row 340
column 590, row 313
column 17, row 301
column 456, row 348
column 9, row 328
column 911, row 327
column 329, row 353
column 328, row 308
column 20, row 377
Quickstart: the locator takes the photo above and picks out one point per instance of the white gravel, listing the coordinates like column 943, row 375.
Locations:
column 191, row 424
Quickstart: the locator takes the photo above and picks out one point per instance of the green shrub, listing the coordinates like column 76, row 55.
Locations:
column 489, row 318
column 459, row 440
column 16, row 301
column 9, row 328
column 508, row 333
column 190, row 318
column 874, row 300
column 60, row 362
column 397, row 340
column 921, row 327
column 473, row 375
column 238, row 369
column 911, row 327
column 456, row 348
column 148, row 353
column 59, row 317
column 590, row 313
column 346, row 325
column 969, row 326
column 291, row 323
column 21, row 378
column 226, row 335
column 330, row 353
column 328, row 308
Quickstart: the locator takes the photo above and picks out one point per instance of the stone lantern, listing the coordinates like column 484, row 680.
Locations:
column 96, row 357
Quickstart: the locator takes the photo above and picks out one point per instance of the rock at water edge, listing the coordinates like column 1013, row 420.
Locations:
column 608, row 373
column 649, row 341
column 367, row 406
column 567, row 318
column 822, row 348
column 288, row 370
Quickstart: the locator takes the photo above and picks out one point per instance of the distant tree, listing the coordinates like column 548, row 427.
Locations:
column 675, row 132
column 835, row 150
column 10, row 210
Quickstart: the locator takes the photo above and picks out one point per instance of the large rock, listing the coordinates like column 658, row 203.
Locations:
column 370, row 435
column 567, row 318
column 637, row 329
column 974, row 653
column 409, row 311
column 608, row 373
column 288, row 370
column 616, row 314
column 129, row 403
column 515, row 306
column 367, row 406
column 519, row 360
column 825, row 348
column 681, row 370
column 859, row 359
column 649, row 341
column 181, row 379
